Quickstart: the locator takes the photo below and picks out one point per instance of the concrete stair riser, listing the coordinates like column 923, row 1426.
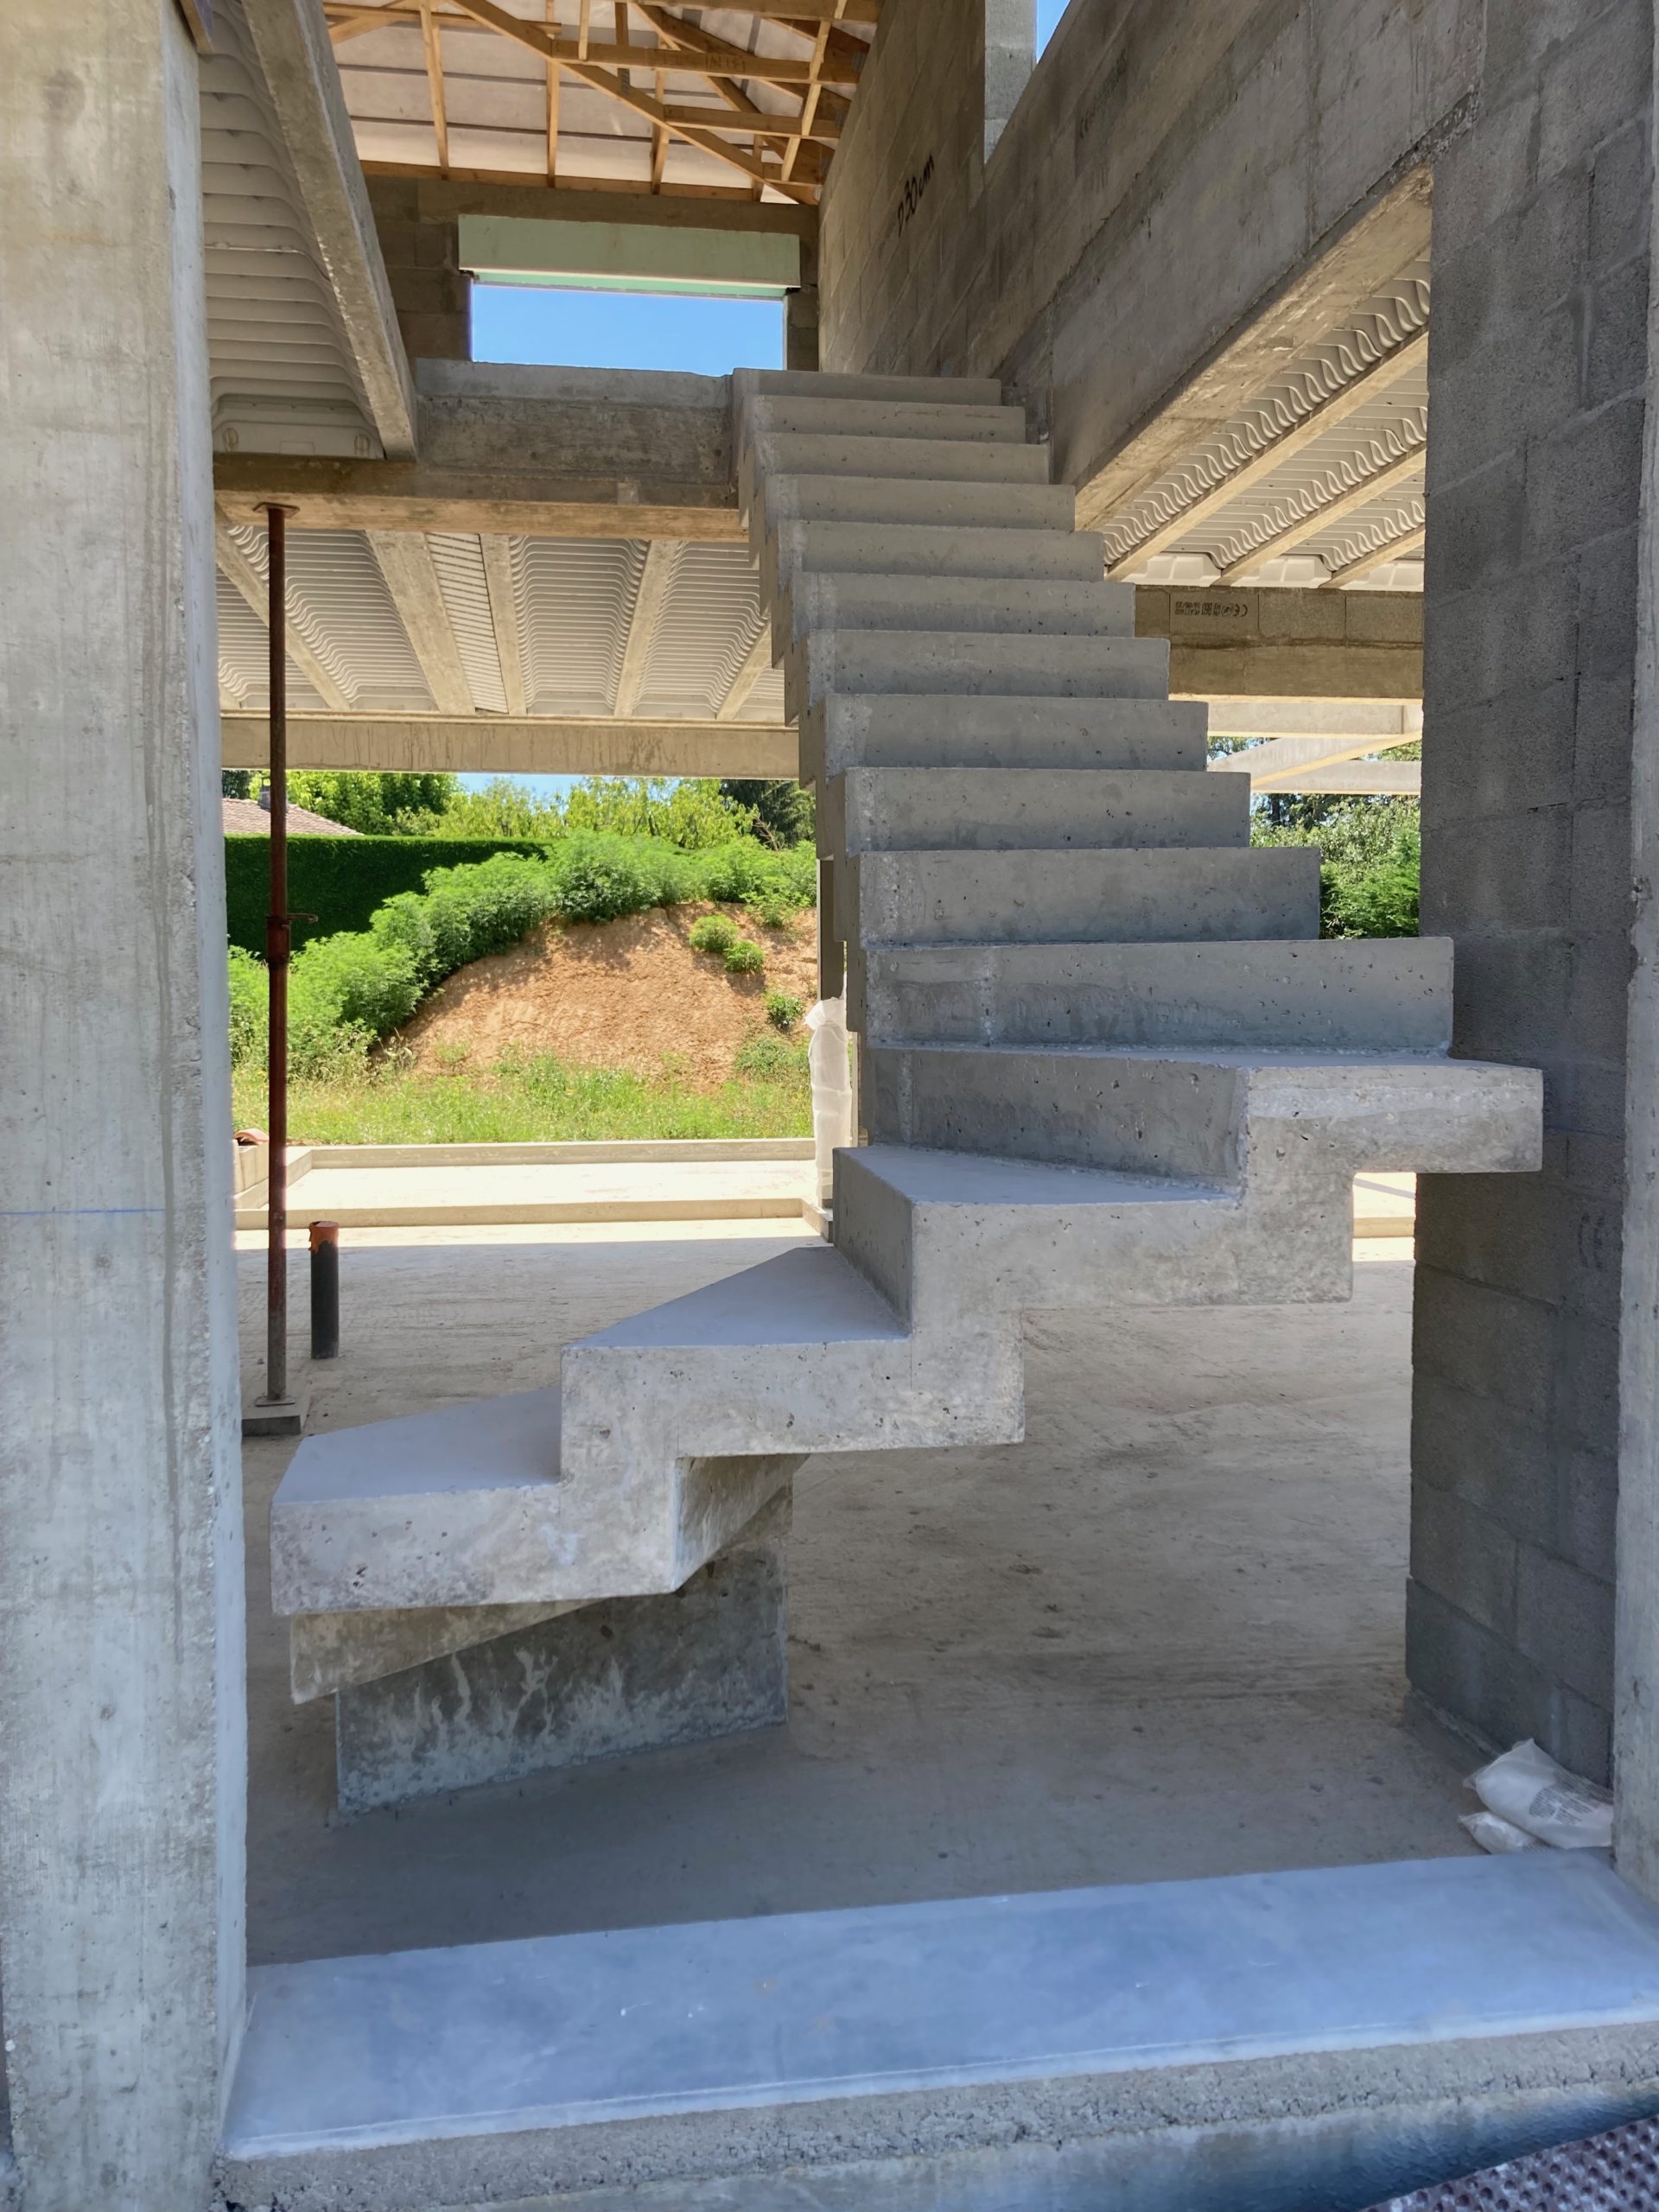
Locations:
column 988, row 810
column 851, row 548
column 777, row 416
column 926, row 459
column 946, row 663
column 748, row 385
column 880, row 499
column 847, row 730
column 1056, row 897
column 1035, row 608
column 1332, row 995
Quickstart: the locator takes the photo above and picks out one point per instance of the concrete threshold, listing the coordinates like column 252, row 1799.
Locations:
column 1327, row 2036
column 364, row 1186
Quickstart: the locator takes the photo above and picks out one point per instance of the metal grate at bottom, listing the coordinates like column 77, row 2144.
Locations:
column 1615, row 2172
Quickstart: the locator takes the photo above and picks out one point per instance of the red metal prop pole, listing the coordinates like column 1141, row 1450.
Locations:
column 276, row 959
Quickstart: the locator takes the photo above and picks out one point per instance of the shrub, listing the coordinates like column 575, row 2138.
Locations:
column 770, row 1057
column 745, row 958
column 600, row 876
column 250, row 1007
column 343, row 882
column 714, row 933
column 771, row 913
column 783, row 1011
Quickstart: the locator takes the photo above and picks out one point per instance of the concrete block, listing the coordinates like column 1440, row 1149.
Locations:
column 1606, row 581
column 1465, row 1557
column 1471, row 1447
column 1517, row 874
column 1465, row 1670
column 1604, row 893
column 1028, row 505
column 1621, row 190
column 633, row 1674
column 1334, row 993
column 1010, row 666
column 776, row 415
column 898, row 730
column 932, row 391
column 1616, row 355
column 1564, row 1624
column 920, row 549
column 1065, row 897
column 1036, row 607
column 1515, row 627
column 1584, row 481
column 1486, row 1342
column 930, row 460
column 1487, row 759
column 1597, row 81
column 331, row 1651
column 898, row 809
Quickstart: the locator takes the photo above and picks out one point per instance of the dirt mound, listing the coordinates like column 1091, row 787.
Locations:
column 630, row 993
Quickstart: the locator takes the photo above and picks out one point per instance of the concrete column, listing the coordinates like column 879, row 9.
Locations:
column 122, row 1707
column 1538, row 380
column 1636, row 1741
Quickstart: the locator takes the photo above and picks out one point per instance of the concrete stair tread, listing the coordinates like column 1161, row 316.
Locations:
column 987, row 809
column 852, row 548
column 1011, row 664
column 929, row 460
column 811, row 1296
column 991, row 1181
column 824, row 384
column 804, row 495
column 1031, row 606
column 779, row 414
column 917, row 730
column 512, row 1441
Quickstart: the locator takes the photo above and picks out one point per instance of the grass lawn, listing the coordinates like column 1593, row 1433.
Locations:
column 537, row 1101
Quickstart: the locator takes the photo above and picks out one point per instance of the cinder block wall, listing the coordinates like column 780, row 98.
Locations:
column 1538, row 366
column 430, row 290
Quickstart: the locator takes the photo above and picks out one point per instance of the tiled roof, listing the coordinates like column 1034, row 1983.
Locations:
column 246, row 817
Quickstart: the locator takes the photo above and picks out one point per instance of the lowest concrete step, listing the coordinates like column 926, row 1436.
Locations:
column 1159, row 896
column 1038, row 607
column 851, row 548
column 989, row 810
column 1215, row 1114
column 1332, row 995
column 943, row 661
column 845, row 730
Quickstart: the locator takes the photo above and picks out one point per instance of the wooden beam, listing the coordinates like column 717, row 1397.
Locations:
column 1394, row 548
column 554, row 80
column 235, row 566
column 406, row 562
column 753, row 666
column 648, row 603
column 533, row 36
column 810, row 106
column 1388, row 371
column 658, row 140
column 806, row 11
column 430, row 39
column 724, row 60
column 1292, row 534
column 504, row 616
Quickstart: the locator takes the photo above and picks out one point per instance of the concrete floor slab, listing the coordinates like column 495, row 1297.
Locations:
column 542, row 1191
column 1160, row 1638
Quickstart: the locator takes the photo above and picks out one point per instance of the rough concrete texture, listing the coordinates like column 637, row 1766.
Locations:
column 1213, row 1178
column 121, row 1780
column 1144, row 245
column 1539, row 365
column 640, row 1674
column 1160, row 1636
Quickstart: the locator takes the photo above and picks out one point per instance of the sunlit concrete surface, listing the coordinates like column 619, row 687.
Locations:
column 1160, row 1638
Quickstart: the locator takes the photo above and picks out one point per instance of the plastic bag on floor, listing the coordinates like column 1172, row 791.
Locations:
column 1528, row 1788
column 832, row 1088
column 1496, row 1835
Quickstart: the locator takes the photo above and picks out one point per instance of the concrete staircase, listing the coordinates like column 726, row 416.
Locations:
column 1106, row 1057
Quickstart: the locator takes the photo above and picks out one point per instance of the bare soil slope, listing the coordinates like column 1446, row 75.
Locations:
column 630, row 993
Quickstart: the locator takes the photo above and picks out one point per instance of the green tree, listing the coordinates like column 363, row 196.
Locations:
column 690, row 811
column 389, row 804
column 782, row 809
column 235, row 783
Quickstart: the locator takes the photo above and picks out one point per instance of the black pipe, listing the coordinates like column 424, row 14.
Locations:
column 325, row 1290
column 277, row 958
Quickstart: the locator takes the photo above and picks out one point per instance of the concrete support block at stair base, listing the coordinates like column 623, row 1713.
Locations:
column 627, row 1676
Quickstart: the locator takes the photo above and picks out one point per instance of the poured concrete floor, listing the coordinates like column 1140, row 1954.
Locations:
column 1159, row 1639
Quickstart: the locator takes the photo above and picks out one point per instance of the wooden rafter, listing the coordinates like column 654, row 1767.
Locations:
column 554, row 80
column 718, row 60
column 429, row 37
column 532, row 35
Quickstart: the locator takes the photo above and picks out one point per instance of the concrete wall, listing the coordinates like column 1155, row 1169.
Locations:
column 1538, row 369
column 122, row 1781
column 431, row 291
column 1170, row 176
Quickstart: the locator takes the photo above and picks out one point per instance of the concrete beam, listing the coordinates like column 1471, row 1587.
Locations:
column 524, row 452
column 649, row 601
column 753, row 666
column 1319, row 764
column 512, row 746
column 291, row 39
column 1344, row 403
column 123, row 1690
column 411, row 577
column 504, row 617
column 1308, row 644
column 429, row 200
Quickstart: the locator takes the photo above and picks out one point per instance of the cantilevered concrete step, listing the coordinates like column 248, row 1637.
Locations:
column 934, row 461
column 1333, row 994
column 989, row 810
column 970, row 662
column 1036, row 607
column 921, row 730
column 776, row 415
column 1300, row 1123
column 855, row 548
column 1130, row 896
column 883, row 498
column 817, row 383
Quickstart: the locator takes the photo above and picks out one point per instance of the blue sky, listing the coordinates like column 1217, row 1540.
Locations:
column 1048, row 13
column 621, row 330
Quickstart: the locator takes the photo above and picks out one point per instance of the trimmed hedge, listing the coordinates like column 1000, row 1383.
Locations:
column 341, row 879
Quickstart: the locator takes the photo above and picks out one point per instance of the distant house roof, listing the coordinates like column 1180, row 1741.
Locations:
column 246, row 817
